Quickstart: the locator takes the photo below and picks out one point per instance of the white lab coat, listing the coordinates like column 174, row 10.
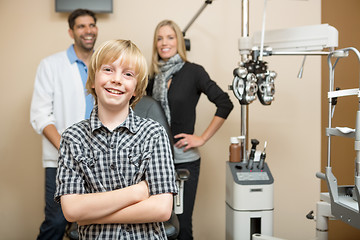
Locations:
column 58, row 99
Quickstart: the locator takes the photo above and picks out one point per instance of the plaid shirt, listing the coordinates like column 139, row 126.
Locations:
column 95, row 159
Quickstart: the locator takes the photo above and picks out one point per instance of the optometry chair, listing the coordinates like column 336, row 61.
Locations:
column 148, row 107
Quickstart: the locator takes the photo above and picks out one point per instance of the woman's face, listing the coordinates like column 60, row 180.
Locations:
column 166, row 43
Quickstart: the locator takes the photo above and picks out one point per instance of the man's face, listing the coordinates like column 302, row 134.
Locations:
column 84, row 33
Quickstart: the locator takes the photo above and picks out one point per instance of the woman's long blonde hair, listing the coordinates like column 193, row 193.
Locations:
column 154, row 67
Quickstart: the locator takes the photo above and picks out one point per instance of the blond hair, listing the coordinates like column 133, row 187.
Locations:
column 154, row 67
column 130, row 54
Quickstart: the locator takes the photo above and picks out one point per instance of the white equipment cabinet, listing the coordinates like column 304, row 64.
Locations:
column 249, row 201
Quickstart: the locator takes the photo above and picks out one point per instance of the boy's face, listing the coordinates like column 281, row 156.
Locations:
column 115, row 85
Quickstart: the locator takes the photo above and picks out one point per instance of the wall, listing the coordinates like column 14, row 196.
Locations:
column 32, row 30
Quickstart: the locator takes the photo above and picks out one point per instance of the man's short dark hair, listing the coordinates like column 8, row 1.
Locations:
column 77, row 13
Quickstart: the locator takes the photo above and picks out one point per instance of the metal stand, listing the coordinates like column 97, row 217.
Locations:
column 344, row 200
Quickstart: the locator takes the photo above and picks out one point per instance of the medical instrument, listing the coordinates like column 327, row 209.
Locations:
column 254, row 143
column 262, row 158
column 249, row 200
column 252, row 79
column 344, row 200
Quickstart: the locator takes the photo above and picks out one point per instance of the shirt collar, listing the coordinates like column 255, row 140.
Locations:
column 71, row 54
column 131, row 122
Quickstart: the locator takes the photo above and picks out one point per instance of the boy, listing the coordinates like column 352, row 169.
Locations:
column 115, row 175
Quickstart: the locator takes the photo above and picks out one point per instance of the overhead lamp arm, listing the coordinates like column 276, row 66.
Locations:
column 187, row 41
column 207, row 2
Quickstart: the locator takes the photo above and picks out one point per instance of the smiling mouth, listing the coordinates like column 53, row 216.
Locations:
column 89, row 38
column 114, row 91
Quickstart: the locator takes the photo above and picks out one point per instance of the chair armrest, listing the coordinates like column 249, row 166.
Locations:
column 182, row 174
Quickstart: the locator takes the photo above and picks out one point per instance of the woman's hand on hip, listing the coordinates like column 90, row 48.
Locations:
column 188, row 141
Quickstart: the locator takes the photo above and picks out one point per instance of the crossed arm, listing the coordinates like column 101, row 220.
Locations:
column 128, row 205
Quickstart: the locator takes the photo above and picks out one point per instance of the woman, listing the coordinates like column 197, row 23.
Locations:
column 177, row 84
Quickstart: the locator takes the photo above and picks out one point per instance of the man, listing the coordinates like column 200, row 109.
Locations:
column 60, row 100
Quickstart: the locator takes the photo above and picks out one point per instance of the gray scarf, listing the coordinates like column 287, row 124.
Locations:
column 160, row 90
